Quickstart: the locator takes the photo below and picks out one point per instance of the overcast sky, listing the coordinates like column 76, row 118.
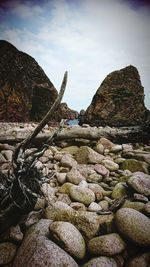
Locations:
column 89, row 38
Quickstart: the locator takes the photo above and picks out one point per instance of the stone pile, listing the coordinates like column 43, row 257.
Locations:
column 94, row 212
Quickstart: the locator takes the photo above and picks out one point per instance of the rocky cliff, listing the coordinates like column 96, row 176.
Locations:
column 119, row 101
column 26, row 93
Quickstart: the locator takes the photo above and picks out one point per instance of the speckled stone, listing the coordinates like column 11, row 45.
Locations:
column 42, row 252
column 140, row 182
column 133, row 225
column 119, row 191
column 74, row 176
column 106, row 245
column 7, row 252
column 87, row 155
column 60, row 211
column 69, row 238
column 101, row 262
column 134, row 165
column 142, row 260
column 83, row 195
column 110, row 165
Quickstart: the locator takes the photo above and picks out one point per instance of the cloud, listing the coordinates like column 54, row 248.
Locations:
column 88, row 38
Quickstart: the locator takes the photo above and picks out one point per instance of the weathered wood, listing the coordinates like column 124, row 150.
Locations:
column 119, row 135
column 21, row 188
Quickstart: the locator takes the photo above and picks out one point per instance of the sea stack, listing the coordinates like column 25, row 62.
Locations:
column 119, row 101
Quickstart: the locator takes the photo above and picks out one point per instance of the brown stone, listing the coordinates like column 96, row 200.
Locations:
column 119, row 101
column 25, row 90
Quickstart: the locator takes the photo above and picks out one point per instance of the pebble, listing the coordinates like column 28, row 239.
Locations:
column 110, row 165
column 101, row 262
column 106, row 245
column 140, row 182
column 83, row 195
column 7, row 253
column 69, row 238
column 133, row 225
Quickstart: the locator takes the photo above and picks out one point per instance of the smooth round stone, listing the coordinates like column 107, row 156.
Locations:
column 99, row 148
column 110, row 165
column 65, row 188
column 101, row 262
column 87, row 223
column 101, row 170
column 134, row 165
column 78, row 206
column 61, row 177
column 64, row 198
column 83, row 184
column 70, row 149
column 140, row 182
column 94, row 177
column 60, row 211
column 119, row 160
column 133, row 205
column 98, row 191
column 106, row 143
column 68, row 161
column 142, row 260
column 104, row 204
column 106, row 245
column 133, row 225
column 116, row 148
column 83, row 195
column 7, row 252
column 119, row 191
column 69, row 238
column 74, row 176
column 139, row 197
column 42, row 252
column 147, row 208
column 87, row 155
column 94, row 207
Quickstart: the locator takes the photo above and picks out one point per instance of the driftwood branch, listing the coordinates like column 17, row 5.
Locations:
column 21, row 189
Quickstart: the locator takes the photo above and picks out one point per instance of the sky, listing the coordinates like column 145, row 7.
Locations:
column 88, row 38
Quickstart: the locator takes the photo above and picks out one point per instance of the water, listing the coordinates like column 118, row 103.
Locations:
column 73, row 122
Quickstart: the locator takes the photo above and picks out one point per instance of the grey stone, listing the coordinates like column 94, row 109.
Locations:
column 106, row 245
column 101, row 262
column 87, row 155
column 83, row 195
column 7, row 253
column 133, row 225
column 69, row 238
column 140, row 182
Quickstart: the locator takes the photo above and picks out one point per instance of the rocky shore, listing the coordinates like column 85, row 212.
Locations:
column 94, row 211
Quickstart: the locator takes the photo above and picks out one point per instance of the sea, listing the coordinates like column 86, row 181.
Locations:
column 73, row 122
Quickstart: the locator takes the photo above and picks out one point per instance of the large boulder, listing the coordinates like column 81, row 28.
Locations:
column 119, row 101
column 25, row 91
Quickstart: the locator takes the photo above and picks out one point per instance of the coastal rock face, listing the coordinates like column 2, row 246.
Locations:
column 25, row 91
column 119, row 101
column 64, row 112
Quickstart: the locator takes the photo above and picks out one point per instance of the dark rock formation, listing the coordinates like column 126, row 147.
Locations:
column 64, row 112
column 26, row 93
column 119, row 101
